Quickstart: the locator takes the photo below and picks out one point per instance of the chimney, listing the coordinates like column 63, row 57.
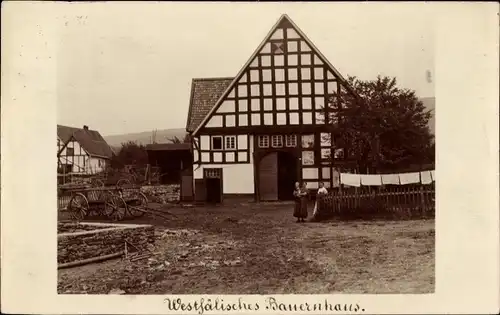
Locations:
column 85, row 127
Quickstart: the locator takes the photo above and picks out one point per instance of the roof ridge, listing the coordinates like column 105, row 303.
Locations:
column 213, row 79
column 77, row 128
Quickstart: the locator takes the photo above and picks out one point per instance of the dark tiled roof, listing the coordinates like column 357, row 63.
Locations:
column 168, row 147
column 90, row 140
column 204, row 94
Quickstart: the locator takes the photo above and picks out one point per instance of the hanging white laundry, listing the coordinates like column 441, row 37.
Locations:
column 371, row 180
column 335, row 178
column 409, row 178
column 390, row 179
column 350, row 179
column 433, row 176
column 426, row 177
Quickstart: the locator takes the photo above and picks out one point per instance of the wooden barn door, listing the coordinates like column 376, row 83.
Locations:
column 187, row 187
column 200, row 190
column 268, row 177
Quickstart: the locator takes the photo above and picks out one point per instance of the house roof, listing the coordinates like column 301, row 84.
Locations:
column 205, row 92
column 90, row 140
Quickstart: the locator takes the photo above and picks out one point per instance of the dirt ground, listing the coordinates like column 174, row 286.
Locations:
column 259, row 249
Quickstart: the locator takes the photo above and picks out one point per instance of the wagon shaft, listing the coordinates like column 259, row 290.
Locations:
column 149, row 211
column 132, row 200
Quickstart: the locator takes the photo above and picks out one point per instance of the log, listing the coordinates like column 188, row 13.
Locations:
column 151, row 212
column 89, row 260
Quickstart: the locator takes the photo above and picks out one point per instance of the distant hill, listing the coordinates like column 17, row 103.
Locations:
column 162, row 136
column 430, row 104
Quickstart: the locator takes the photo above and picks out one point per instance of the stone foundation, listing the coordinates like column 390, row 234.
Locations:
column 105, row 239
column 162, row 193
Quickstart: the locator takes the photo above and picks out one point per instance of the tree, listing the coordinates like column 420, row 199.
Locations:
column 384, row 126
column 176, row 139
column 130, row 153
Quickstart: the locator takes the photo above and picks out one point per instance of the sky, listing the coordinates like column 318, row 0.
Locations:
column 127, row 67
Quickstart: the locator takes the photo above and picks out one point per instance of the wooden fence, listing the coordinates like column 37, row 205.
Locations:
column 384, row 202
column 62, row 202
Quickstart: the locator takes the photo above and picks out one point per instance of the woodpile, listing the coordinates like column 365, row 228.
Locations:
column 102, row 242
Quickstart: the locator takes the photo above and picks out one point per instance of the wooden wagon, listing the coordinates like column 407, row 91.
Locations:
column 113, row 202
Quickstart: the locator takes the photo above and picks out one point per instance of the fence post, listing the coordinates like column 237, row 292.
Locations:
column 356, row 198
column 422, row 200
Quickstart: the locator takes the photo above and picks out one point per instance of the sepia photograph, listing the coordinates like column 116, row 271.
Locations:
column 288, row 153
column 266, row 158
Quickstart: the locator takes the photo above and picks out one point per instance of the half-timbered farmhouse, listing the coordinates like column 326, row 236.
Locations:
column 81, row 151
column 261, row 131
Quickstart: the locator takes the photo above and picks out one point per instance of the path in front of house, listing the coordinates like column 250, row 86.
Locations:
column 258, row 249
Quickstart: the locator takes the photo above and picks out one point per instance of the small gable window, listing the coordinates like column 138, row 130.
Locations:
column 230, row 142
column 263, row 141
column 217, row 143
column 70, row 151
column 291, row 140
column 277, row 141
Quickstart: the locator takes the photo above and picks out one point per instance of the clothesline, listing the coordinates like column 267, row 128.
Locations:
column 357, row 180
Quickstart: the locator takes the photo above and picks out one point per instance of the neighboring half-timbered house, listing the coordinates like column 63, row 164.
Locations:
column 261, row 131
column 81, row 151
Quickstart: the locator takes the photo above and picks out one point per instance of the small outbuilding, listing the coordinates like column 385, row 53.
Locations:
column 175, row 162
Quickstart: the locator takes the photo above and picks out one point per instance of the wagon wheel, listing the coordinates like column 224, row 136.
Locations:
column 123, row 182
column 78, row 206
column 138, row 200
column 115, row 207
column 95, row 182
column 108, row 204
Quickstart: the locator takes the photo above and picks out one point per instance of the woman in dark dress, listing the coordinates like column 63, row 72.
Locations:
column 300, row 194
column 303, row 201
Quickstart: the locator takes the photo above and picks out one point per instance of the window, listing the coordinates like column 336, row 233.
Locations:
column 70, row 151
column 307, row 157
column 325, row 154
column 230, row 142
column 291, row 140
column 326, row 139
column 308, row 141
column 212, row 173
column 217, row 143
column 263, row 141
column 277, row 141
